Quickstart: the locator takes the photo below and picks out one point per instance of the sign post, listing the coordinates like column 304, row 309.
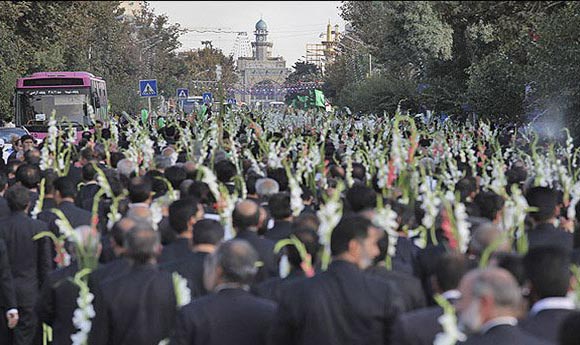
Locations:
column 182, row 95
column 148, row 88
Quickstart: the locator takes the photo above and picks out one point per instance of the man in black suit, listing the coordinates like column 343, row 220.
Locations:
column 548, row 273
column 183, row 214
column 30, row 260
column 343, row 305
column 64, row 194
column 58, row 295
column 86, row 193
column 8, row 306
column 230, row 315
column 544, row 232
column 207, row 234
column 4, row 209
column 140, row 306
column 28, row 175
column 419, row 327
column 487, row 309
column 279, row 206
column 246, row 216
column 271, row 288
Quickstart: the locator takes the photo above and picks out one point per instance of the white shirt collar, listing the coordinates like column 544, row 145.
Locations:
column 498, row 321
column 451, row 294
column 565, row 303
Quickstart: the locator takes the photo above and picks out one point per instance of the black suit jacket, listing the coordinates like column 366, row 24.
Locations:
column 168, row 235
column 281, row 230
column 85, row 196
column 504, row 335
column 548, row 235
column 231, row 316
column 545, row 324
column 265, row 249
column 57, row 303
column 75, row 215
column 30, row 261
column 177, row 250
column 409, row 286
column 417, row 327
column 272, row 288
column 112, row 270
column 7, row 293
column 342, row 305
column 190, row 268
column 137, row 308
column 4, row 209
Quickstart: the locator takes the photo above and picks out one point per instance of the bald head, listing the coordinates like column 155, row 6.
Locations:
column 246, row 215
column 140, row 213
column 142, row 243
column 236, row 260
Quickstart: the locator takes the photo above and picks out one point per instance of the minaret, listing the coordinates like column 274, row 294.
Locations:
column 261, row 45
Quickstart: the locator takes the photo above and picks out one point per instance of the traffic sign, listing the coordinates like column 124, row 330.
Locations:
column 231, row 101
column 207, row 98
column 148, row 88
column 182, row 93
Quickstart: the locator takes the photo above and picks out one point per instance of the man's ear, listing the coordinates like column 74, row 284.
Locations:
column 353, row 246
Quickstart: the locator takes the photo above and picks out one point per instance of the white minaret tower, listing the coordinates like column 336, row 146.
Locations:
column 261, row 45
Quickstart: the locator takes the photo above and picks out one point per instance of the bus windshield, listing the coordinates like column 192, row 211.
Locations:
column 34, row 107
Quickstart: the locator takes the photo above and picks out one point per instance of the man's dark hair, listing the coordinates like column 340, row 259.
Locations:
column 225, row 171
column 27, row 137
column 200, row 191
column 28, row 175
column 208, row 231
column 545, row 200
column 279, row 205
column 517, row 174
column 87, row 153
column 116, row 157
column 175, row 175
column 246, row 214
column 360, row 198
column 449, row 270
column 349, row 228
column 17, row 198
column 310, row 240
column 489, row 204
column 251, row 183
column 514, row 264
column 119, row 231
column 66, row 187
column 88, row 171
column 49, row 176
column 359, row 172
column 12, row 166
column 139, row 189
column 466, row 186
column 237, row 259
column 32, row 156
column 180, row 211
column 141, row 242
column 306, row 220
column 548, row 270
column 280, row 176
column 3, row 181
column 157, row 181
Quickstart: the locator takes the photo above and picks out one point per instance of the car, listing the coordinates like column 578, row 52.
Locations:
column 6, row 134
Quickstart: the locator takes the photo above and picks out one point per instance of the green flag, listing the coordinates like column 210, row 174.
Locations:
column 144, row 116
column 319, row 98
column 161, row 122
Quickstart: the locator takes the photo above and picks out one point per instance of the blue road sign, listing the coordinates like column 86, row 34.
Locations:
column 207, row 97
column 231, row 101
column 148, row 88
column 182, row 93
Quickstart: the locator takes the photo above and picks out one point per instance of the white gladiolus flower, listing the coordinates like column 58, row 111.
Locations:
column 386, row 219
column 462, row 226
column 182, row 292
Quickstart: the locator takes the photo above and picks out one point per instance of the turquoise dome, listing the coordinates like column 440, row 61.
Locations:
column 261, row 25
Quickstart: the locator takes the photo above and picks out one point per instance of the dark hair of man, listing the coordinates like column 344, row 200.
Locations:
column 237, row 260
column 449, row 270
column 88, row 171
column 116, row 157
column 3, row 181
column 225, row 171
column 516, row 175
column 87, row 153
column 141, row 242
column 514, row 264
column 139, row 189
column 568, row 333
column 158, row 185
column 548, row 270
column 66, row 187
column 32, row 156
column 360, row 198
column 466, row 186
column 353, row 227
column 545, row 200
column 208, row 231
column 251, row 183
column 200, row 191
column 489, row 204
column 180, row 211
column 49, row 177
column 310, row 240
column 28, row 175
column 279, row 206
column 175, row 175
column 17, row 198
column 119, row 231
column 306, row 220
column 359, row 172
column 12, row 166
column 246, row 214
column 27, row 137
column 280, row 176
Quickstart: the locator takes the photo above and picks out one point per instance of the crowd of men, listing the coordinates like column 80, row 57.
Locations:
column 238, row 294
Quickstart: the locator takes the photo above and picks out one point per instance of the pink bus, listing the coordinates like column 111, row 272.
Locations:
column 78, row 98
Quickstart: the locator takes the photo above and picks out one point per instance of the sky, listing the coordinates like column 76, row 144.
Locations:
column 291, row 24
